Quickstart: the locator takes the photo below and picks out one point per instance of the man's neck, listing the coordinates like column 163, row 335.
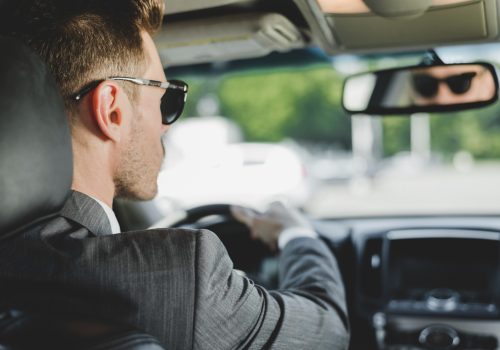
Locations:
column 105, row 198
column 93, row 163
column 94, row 183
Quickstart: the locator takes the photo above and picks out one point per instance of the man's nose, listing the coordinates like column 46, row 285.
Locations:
column 445, row 95
column 164, row 128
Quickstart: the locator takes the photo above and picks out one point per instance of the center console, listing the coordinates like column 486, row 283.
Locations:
column 436, row 289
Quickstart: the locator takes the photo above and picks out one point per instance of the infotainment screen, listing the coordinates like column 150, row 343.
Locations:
column 418, row 265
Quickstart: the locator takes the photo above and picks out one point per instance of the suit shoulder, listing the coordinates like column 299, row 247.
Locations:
column 171, row 235
column 203, row 238
column 184, row 244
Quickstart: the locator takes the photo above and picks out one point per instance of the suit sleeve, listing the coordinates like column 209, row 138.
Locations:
column 231, row 312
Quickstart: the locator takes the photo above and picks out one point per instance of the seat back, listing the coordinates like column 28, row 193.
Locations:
column 27, row 331
column 36, row 173
column 35, row 143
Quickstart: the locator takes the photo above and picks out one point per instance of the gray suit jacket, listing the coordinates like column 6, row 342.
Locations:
column 175, row 284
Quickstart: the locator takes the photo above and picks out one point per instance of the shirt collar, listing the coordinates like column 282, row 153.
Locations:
column 113, row 221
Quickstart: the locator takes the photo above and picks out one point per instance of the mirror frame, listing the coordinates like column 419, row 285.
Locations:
column 388, row 111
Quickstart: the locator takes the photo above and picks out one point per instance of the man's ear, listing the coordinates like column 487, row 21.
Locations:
column 107, row 111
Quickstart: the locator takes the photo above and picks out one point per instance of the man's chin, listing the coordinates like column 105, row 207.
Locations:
column 138, row 195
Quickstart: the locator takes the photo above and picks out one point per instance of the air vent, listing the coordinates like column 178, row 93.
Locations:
column 370, row 278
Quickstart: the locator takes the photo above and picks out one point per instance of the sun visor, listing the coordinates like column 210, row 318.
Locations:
column 444, row 22
column 226, row 38
column 178, row 6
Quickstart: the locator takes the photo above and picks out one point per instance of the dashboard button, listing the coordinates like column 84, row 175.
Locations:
column 439, row 338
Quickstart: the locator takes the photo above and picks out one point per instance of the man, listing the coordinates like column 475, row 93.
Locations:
column 177, row 285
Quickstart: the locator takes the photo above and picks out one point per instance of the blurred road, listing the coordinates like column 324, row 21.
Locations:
column 438, row 190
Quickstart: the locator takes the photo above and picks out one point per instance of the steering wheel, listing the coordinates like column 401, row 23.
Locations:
column 248, row 255
column 194, row 215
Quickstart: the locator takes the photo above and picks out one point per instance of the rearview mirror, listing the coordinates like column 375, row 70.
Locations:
column 436, row 88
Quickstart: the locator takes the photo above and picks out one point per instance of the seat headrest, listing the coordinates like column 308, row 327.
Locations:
column 36, row 162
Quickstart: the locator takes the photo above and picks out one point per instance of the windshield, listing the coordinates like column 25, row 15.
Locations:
column 258, row 135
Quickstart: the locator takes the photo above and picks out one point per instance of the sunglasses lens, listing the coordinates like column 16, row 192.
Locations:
column 172, row 104
column 425, row 85
column 460, row 84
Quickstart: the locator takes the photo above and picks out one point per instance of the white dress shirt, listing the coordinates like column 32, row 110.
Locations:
column 113, row 222
column 292, row 233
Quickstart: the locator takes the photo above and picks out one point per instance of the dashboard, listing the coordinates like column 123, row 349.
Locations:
column 412, row 283
column 419, row 282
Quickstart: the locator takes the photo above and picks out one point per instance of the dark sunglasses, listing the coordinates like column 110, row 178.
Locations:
column 172, row 102
column 427, row 86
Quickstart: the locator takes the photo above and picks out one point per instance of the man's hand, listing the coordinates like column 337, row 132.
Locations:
column 269, row 225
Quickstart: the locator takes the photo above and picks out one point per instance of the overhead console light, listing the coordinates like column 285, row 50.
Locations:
column 377, row 25
column 384, row 8
column 343, row 6
column 398, row 8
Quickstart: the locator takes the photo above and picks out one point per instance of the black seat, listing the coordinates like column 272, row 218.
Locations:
column 27, row 331
column 35, row 181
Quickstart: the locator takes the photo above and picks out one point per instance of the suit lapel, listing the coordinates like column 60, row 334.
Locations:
column 87, row 212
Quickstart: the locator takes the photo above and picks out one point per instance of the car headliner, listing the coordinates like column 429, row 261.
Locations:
column 224, row 30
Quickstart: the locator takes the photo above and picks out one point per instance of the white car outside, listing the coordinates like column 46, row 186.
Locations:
column 253, row 174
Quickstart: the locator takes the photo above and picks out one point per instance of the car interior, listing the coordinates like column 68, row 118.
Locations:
column 427, row 278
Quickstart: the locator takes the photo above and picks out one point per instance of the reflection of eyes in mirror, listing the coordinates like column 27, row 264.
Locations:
column 427, row 86
column 445, row 85
column 421, row 88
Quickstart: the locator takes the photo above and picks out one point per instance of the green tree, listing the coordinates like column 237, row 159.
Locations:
column 303, row 104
